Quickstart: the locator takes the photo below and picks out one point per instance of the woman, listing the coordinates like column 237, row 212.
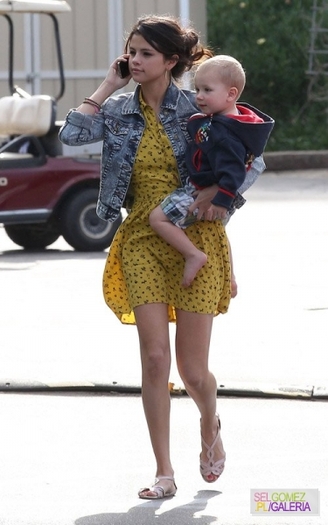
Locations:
column 145, row 138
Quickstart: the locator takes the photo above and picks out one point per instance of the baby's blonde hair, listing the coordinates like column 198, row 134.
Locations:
column 230, row 71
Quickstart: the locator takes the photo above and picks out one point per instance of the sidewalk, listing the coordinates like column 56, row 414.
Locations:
column 81, row 459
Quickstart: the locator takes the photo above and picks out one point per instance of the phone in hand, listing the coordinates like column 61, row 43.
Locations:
column 123, row 69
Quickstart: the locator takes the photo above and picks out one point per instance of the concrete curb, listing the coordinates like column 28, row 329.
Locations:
column 238, row 389
column 296, row 160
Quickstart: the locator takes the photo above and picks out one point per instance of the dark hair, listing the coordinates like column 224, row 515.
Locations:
column 169, row 37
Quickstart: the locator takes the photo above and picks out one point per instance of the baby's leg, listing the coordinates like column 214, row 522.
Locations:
column 194, row 259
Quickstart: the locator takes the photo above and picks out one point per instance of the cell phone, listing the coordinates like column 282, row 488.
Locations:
column 123, row 69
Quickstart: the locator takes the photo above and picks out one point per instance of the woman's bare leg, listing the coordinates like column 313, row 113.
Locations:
column 192, row 350
column 152, row 325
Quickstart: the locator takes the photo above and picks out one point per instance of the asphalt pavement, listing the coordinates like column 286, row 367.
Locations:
column 57, row 332
column 74, row 444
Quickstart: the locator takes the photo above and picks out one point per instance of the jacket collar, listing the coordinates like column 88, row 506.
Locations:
column 170, row 100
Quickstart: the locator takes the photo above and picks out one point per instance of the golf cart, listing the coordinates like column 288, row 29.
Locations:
column 43, row 193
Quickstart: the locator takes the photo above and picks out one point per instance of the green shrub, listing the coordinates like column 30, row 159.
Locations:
column 271, row 39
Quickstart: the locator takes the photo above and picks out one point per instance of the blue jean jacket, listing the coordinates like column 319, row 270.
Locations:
column 120, row 125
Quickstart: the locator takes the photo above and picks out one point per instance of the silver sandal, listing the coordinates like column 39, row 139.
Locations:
column 158, row 489
column 211, row 467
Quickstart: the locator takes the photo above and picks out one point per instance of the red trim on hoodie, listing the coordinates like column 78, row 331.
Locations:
column 245, row 115
column 226, row 192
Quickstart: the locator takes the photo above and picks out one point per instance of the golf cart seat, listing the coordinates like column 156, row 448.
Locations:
column 34, row 115
column 30, row 127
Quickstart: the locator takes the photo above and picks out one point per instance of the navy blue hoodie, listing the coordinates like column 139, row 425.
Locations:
column 223, row 147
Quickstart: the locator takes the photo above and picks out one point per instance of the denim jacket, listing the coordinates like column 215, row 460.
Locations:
column 120, row 125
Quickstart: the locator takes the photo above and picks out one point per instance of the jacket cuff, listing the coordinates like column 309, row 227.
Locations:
column 223, row 198
column 79, row 119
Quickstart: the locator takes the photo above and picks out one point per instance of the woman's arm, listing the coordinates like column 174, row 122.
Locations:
column 85, row 125
column 109, row 85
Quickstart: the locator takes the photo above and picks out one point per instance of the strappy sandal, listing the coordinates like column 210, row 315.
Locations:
column 211, row 467
column 158, row 489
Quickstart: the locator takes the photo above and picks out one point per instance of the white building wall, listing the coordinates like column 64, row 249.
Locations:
column 92, row 35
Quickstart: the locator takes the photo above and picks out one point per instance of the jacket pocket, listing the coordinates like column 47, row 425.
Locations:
column 116, row 132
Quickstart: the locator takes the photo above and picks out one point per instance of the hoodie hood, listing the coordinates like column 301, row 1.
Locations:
column 252, row 127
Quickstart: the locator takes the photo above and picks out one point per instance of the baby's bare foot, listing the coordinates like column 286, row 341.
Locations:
column 192, row 265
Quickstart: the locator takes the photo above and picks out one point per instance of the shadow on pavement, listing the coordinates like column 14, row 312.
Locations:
column 30, row 256
column 147, row 513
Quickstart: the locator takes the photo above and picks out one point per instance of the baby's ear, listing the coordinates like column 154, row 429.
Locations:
column 233, row 93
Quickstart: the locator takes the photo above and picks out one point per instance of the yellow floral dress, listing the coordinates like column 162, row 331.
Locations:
column 141, row 267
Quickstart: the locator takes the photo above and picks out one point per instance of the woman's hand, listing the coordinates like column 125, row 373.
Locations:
column 203, row 203
column 113, row 77
column 216, row 212
column 109, row 85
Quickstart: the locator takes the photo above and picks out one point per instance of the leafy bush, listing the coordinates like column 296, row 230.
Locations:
column 271, row 38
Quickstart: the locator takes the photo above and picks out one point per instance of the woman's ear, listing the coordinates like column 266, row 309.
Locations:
column 172, row 61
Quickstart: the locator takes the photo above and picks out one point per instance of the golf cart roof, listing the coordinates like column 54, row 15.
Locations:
column 46, row 7
column 33, row 6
